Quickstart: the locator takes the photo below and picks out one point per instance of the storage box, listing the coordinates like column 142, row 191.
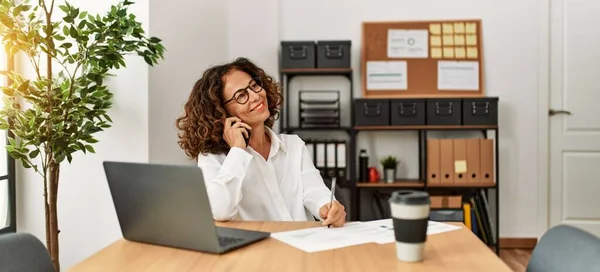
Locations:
column 372, row 112
column 444, row 111
column 407, row 112
column 480, row 111
column 298, row 54
column 334, row 54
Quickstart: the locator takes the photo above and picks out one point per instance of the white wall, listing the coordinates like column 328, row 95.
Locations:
column 195, row 36
column 86, row 215
column 511, row 67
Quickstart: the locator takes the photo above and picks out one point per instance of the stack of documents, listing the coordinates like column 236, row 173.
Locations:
column 354, row 233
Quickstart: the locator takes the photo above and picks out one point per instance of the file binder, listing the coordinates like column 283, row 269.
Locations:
column 329, row 157
column 460, row 160
column 447, row 160
column 487, row 160
column 473, row 161
column 433, row 161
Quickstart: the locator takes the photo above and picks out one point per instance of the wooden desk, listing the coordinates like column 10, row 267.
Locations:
column 458, row 250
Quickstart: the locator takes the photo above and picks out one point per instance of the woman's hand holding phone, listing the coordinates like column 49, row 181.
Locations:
column 235, row 132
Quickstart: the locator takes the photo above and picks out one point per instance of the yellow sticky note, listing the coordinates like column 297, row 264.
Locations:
column 471, row 52
column 459, row 52
column 459, row 40
column 448, row 29
column 435, row 29
column 436, row 41
column 448, row 40
column 460, row 167
column 471, row 28
column 448, row 52
column 459, row 28
column 471, row 40
column 436, row 52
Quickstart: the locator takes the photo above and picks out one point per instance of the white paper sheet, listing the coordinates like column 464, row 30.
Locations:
column 458, row 75
column 323, row 238
column 387, row 75
column 408, row 43
column 387, row 225
column 354, row 233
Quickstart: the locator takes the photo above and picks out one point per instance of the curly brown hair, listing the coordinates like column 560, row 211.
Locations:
column 201, row 125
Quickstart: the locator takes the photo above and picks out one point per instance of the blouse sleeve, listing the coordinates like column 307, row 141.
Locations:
column 224, row 181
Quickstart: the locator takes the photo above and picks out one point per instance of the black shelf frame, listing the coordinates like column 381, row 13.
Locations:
column 463, row 190
column 353, row 184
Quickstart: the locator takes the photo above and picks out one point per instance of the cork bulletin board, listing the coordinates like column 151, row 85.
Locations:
column 422, row 59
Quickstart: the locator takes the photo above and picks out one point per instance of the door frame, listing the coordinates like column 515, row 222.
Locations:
column 543, row 93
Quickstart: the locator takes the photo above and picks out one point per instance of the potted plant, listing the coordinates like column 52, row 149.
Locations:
column 55, row 110
column 389, row 164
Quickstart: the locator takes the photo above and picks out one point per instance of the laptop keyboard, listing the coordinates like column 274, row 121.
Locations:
column 228, row 241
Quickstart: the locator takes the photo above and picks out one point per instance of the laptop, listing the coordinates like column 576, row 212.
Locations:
column 168, row 205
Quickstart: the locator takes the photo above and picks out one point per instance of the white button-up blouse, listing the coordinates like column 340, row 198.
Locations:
column 241, row 185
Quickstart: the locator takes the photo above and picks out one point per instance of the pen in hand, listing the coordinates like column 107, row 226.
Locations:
column 331, row 201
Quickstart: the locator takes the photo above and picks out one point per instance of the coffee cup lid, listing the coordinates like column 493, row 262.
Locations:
column 409, row 197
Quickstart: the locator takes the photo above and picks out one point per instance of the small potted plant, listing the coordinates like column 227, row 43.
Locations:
column 389, row 164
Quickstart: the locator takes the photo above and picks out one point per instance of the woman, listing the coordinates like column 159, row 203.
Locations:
column 250, row 172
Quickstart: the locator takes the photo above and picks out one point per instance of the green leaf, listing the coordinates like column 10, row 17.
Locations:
column 73, row 32
column 90, row 149
column 34, row 153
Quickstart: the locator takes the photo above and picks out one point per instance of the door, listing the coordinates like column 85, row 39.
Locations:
column 575, row 114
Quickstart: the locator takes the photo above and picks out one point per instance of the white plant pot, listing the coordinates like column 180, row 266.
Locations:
column 389, row 175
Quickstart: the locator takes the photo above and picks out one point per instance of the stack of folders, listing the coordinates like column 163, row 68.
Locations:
column 480, row 221
column 474, row 212
column 329, row 156
column 460, row 161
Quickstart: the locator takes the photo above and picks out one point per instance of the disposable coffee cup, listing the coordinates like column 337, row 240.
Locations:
column 410, row 215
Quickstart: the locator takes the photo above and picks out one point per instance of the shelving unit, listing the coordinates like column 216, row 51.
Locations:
column 356, row 186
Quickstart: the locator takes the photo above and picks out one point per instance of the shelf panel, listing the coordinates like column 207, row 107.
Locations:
column 346, row 129
column 317, row 71
column 462, row 185
column 397, row 184
column 425, row 127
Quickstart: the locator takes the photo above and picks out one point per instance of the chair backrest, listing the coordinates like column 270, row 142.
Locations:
column 23, row 252
column 565, row 248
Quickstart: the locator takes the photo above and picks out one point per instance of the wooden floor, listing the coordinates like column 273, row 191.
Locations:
column 517, row 259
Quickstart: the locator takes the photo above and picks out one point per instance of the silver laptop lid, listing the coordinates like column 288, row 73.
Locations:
column 162, row 204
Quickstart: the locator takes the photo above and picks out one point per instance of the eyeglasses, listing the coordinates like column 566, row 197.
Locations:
column 241, row 96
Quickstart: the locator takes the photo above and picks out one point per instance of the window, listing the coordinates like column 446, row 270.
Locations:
column 8, row 221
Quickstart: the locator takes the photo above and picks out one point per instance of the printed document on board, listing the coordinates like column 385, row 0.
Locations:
column 387, row 75
column 458, row 75
column 408, row 43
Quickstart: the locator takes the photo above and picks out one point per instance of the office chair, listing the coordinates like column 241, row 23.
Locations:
column 23, row 252
column 565, row 248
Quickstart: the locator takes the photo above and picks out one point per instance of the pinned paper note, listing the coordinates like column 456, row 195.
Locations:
column 459, row 52
column 386, row 75
column 459, row 28
column 436, row 52
column 435, row 29
column 436, row 41
column 448, row 40
column 408, row 43
column 448, row 28
column 448, row 52
column 459, row 40
column 471, row 40
column 471, row 28
column 458, row 75
column 460, row 166
column 472, row 52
